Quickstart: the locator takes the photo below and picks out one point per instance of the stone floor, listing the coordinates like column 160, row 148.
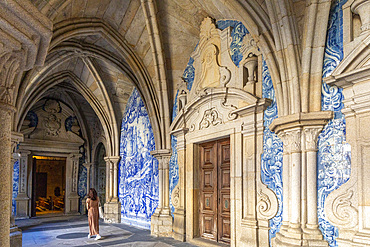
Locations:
column 73, row 230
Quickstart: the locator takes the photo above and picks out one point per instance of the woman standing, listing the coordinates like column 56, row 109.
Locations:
column 92, row 204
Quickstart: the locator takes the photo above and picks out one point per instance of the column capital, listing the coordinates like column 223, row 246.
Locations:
column 113, row 159
column 300, row 120
column 161, row 153
column 311, row 134
column 74, row 156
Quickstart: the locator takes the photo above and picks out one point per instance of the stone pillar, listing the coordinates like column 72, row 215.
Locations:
column 15, row 232
column 161, row 221
column 112, row 208
column 178, row 193
column 24, row 43
column 311, row 134
column 5, row 161
column 71, row 196
column 299, row 134
column 23, row 198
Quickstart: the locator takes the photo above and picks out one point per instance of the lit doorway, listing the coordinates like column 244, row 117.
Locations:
column 48, row 185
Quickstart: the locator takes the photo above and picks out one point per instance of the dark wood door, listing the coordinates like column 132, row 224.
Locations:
column 215, row 190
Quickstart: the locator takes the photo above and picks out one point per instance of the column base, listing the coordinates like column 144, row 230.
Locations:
column 179, row 226
column 15, row 237
column 291, row 237
column 72, row 204
column 22, row 202
column 83, row 206
column 161, row 225
column 112, row 212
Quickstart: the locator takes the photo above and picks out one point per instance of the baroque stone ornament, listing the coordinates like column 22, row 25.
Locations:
column 263, row 204
column 52, row 124
column 345, row 215
column 175, row 197
column 209, row 46
column 211, row 117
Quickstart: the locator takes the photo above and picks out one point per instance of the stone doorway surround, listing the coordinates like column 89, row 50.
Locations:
column 49, row 138
column 23, row 199
column 222, row 104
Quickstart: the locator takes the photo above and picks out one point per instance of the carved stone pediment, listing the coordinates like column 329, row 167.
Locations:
column 51, row 126
column 214, row 107
column 355, row 67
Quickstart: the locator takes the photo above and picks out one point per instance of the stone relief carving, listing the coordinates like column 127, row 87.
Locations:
column 9, row 68
column 225, row 75
column 74, row 175
column 211, row 117
column 209, row 46
column 345, row 215
column 263, row 204
column 311, row 136
column 175, row 197
column 52, row 124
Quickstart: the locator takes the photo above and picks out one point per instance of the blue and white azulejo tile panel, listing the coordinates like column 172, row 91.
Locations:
column 138, row 169
column 237, row 34
column 272, row 156
column 15, row 185
column 174, row 166
column 334, row 154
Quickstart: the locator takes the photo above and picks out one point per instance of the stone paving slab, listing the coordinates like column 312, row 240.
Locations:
column 73, row 231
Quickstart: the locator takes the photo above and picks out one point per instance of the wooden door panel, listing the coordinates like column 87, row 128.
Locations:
column 224, row 235
column 214, row 208
column 208, row 179
column 224, row 191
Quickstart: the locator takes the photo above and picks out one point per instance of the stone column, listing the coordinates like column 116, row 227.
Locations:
column 161, row 221
column 112, row 208
column 311, row 134
column 299, row 134
column 5, row 151
column 286, row 174
column 178, row 193
column 23, row 198
column 15, row 232
column 23, row 44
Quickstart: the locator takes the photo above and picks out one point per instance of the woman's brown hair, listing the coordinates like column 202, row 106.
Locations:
column 92, row 194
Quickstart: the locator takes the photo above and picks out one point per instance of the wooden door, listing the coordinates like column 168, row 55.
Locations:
column 215, row 190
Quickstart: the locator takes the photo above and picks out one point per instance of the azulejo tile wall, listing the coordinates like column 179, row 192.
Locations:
column 238, row 32
column 272, row 156
column 334, row 155
column 138, row 170
column 15, row 185
column 173, row 166
column 82, row 178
